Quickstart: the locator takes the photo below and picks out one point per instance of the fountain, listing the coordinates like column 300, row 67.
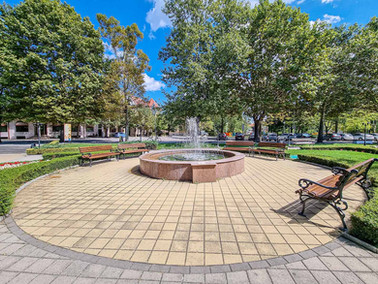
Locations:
column 193, row 164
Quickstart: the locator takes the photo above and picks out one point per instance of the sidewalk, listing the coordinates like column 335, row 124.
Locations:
column 32, row 261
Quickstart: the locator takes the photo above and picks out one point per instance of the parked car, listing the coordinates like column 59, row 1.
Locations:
column 361, row 137
column 271, row 137
column 332, row 136
column 375, row 135
column 251, row 137
column 286, row 137
column 119, row 134
column 239, row 136
column 346, row 137
column 222, row 136
column 303, row 135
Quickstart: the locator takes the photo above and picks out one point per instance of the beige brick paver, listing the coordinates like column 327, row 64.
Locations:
column 111, row 210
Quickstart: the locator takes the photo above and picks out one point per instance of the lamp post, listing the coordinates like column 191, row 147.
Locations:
column 154, row 113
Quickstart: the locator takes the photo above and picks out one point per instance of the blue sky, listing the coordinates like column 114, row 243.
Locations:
column 148, row 16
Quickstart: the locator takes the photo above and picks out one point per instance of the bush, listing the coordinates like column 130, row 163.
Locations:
column 50, row 156
column 365, row 222
column 13, row 178
column 39, row 151
column 358, row 148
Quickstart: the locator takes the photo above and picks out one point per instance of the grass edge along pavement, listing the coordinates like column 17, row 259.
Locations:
column 11, row 179
column 364, row 220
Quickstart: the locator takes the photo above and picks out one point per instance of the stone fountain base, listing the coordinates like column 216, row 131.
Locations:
column 195, row 171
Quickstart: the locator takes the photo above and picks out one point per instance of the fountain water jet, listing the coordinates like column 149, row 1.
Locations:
column 195, row 164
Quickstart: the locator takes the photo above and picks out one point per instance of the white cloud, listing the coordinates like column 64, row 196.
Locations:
column 327, row 1
column 156, row 17
column 151, row 84
column 109, row 52
column 331, row 19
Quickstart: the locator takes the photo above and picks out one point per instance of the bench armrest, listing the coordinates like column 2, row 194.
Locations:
column 339, row 171
column 305, row 183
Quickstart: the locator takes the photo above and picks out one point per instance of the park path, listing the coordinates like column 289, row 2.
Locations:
column 32, row 261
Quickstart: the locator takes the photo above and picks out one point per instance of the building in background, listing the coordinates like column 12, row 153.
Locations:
column 27, row 130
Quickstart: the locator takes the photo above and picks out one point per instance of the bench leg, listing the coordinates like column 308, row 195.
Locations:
column 340, row 211
column 303, row 202
column 90, row 162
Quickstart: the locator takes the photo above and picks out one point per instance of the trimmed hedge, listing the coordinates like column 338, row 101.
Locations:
column 41, row 151
column 50, row 156
column 365, row 222
column 358, row 148
column 13, row 178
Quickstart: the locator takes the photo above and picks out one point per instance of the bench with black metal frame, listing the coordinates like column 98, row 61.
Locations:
column 330, row 189
column 132, row 148
column 90, row 153
column 277, row 149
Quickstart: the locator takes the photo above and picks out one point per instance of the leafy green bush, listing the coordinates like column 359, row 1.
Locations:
column 365, row 222
column 13, row 178
column 50, row 156
column 39, row 151
column 347, row 147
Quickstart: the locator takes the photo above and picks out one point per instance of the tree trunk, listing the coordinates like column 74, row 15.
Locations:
column 337, row 125
column 127, row 123
column 222, row 125
column 321, row 125
column 257, row 129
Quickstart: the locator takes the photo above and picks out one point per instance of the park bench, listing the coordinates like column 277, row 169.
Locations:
column 90, row 153
column 330, row 189
column 132, row 148
column 302, row 141
column 277, row 149
column 240, row 146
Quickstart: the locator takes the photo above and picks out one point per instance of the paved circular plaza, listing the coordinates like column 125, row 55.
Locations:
column 112, row 210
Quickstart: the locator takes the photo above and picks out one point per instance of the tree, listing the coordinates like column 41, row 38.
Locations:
column 278, row 45
column 128, row 65
column 51, row 62
column 195, row 50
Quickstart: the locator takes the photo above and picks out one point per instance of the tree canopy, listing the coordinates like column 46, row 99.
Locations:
column 51, row 62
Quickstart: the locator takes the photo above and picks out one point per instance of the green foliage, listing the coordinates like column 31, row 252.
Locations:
column 39, row 151
column 347, row 147
column 13, row 178
column 365, row 222
column 124, row 78
column 50, row 156
column 51, row 62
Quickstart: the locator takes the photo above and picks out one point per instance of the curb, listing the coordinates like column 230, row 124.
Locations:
column 360, row 242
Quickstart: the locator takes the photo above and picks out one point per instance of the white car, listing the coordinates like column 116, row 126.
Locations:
column 361, row 137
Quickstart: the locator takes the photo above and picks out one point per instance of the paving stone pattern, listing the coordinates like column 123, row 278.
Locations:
column 110, row 210
column 339, row 262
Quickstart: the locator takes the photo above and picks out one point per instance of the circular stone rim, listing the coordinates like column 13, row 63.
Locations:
column 235, row 156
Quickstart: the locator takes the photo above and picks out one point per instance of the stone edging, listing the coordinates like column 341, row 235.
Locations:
column 126, row 264
column 360, row 242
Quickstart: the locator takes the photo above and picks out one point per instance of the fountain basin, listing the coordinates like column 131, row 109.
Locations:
column 195, row 171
